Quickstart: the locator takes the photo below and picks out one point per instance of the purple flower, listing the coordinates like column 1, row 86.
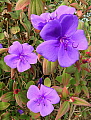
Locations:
column 21, row 56
column 62, row 40
column 20, row 111
column 41, row 100
column 1, row 46
column 40, row 21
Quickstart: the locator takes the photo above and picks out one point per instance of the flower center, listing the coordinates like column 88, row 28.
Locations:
column 52, row 17
column 40, row 100
column 67, row 41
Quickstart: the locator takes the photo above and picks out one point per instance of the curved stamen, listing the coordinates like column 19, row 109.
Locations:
column 74, row 46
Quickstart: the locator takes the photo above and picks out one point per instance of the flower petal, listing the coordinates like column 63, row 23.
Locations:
column 37, row 21
column 50, row 94
column 23, row 65
column 27, row 49
column 53, row 97
column 69, row 24
column 11, row 60
column 67, row 57
column 79, row 38
column 45, row 16
column 32, row 92
column 44, row 90
column 49, row 50
column 33, row 106
column 1, row 46
column 32, row 58
column 16, row 48
column 51, row 31
column 46, row 108
column 64, row 10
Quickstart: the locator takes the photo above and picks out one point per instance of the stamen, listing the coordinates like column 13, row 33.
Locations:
column 74, row 46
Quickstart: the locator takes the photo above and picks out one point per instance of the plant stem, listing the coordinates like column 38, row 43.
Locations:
column 72, row 109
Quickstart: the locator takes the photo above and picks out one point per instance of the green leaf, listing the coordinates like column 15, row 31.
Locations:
column 1, row 36
column 78, row 90
column 21, row 4
column 47, row 82
column 5, row 116
column 29, row 84
column 79, row 101
column 3, row 65
column 59, row 78
column 15, row 118
column 57, row 88
column 72, row 81
column 65, row 92
column 15, row 29
column 15, row 14
column 4, row 105
column 23, row 117
column 85, row 90
column 70, row 69
column 2, row 85
column 21, row 98
column 65, row 78
column 77, row 77
column 63, row 109
column 7, row 97
column 7, row 1
column 39, row 7
column 25, row 22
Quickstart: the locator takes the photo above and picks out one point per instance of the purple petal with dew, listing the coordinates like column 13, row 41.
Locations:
column 49, row 50
column 53, row 97
column 79, row 38
column 33, row 92
column 1, row 46
column 11, row 60
column 51, row 31
column 46, row 108
column 16, row 48
column 33, row 106
column 27, row 49
column 64, row 10
column 23, row 65
column 67, row 57
column 32, row 58
column 69, row 24
column 44, row 90
column 37, row 21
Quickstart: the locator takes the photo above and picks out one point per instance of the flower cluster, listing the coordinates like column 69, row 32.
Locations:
column 62, row 39
column 62, row 42
column 21, row 56
column 41, row 100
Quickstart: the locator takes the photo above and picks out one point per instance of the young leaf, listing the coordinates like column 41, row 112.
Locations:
column 47, row 82
column 79, row 101
column 63, row 109
column 85, row 90
column 5, row 116
column 4, row 105
column 21, row 4
column 7, row 97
